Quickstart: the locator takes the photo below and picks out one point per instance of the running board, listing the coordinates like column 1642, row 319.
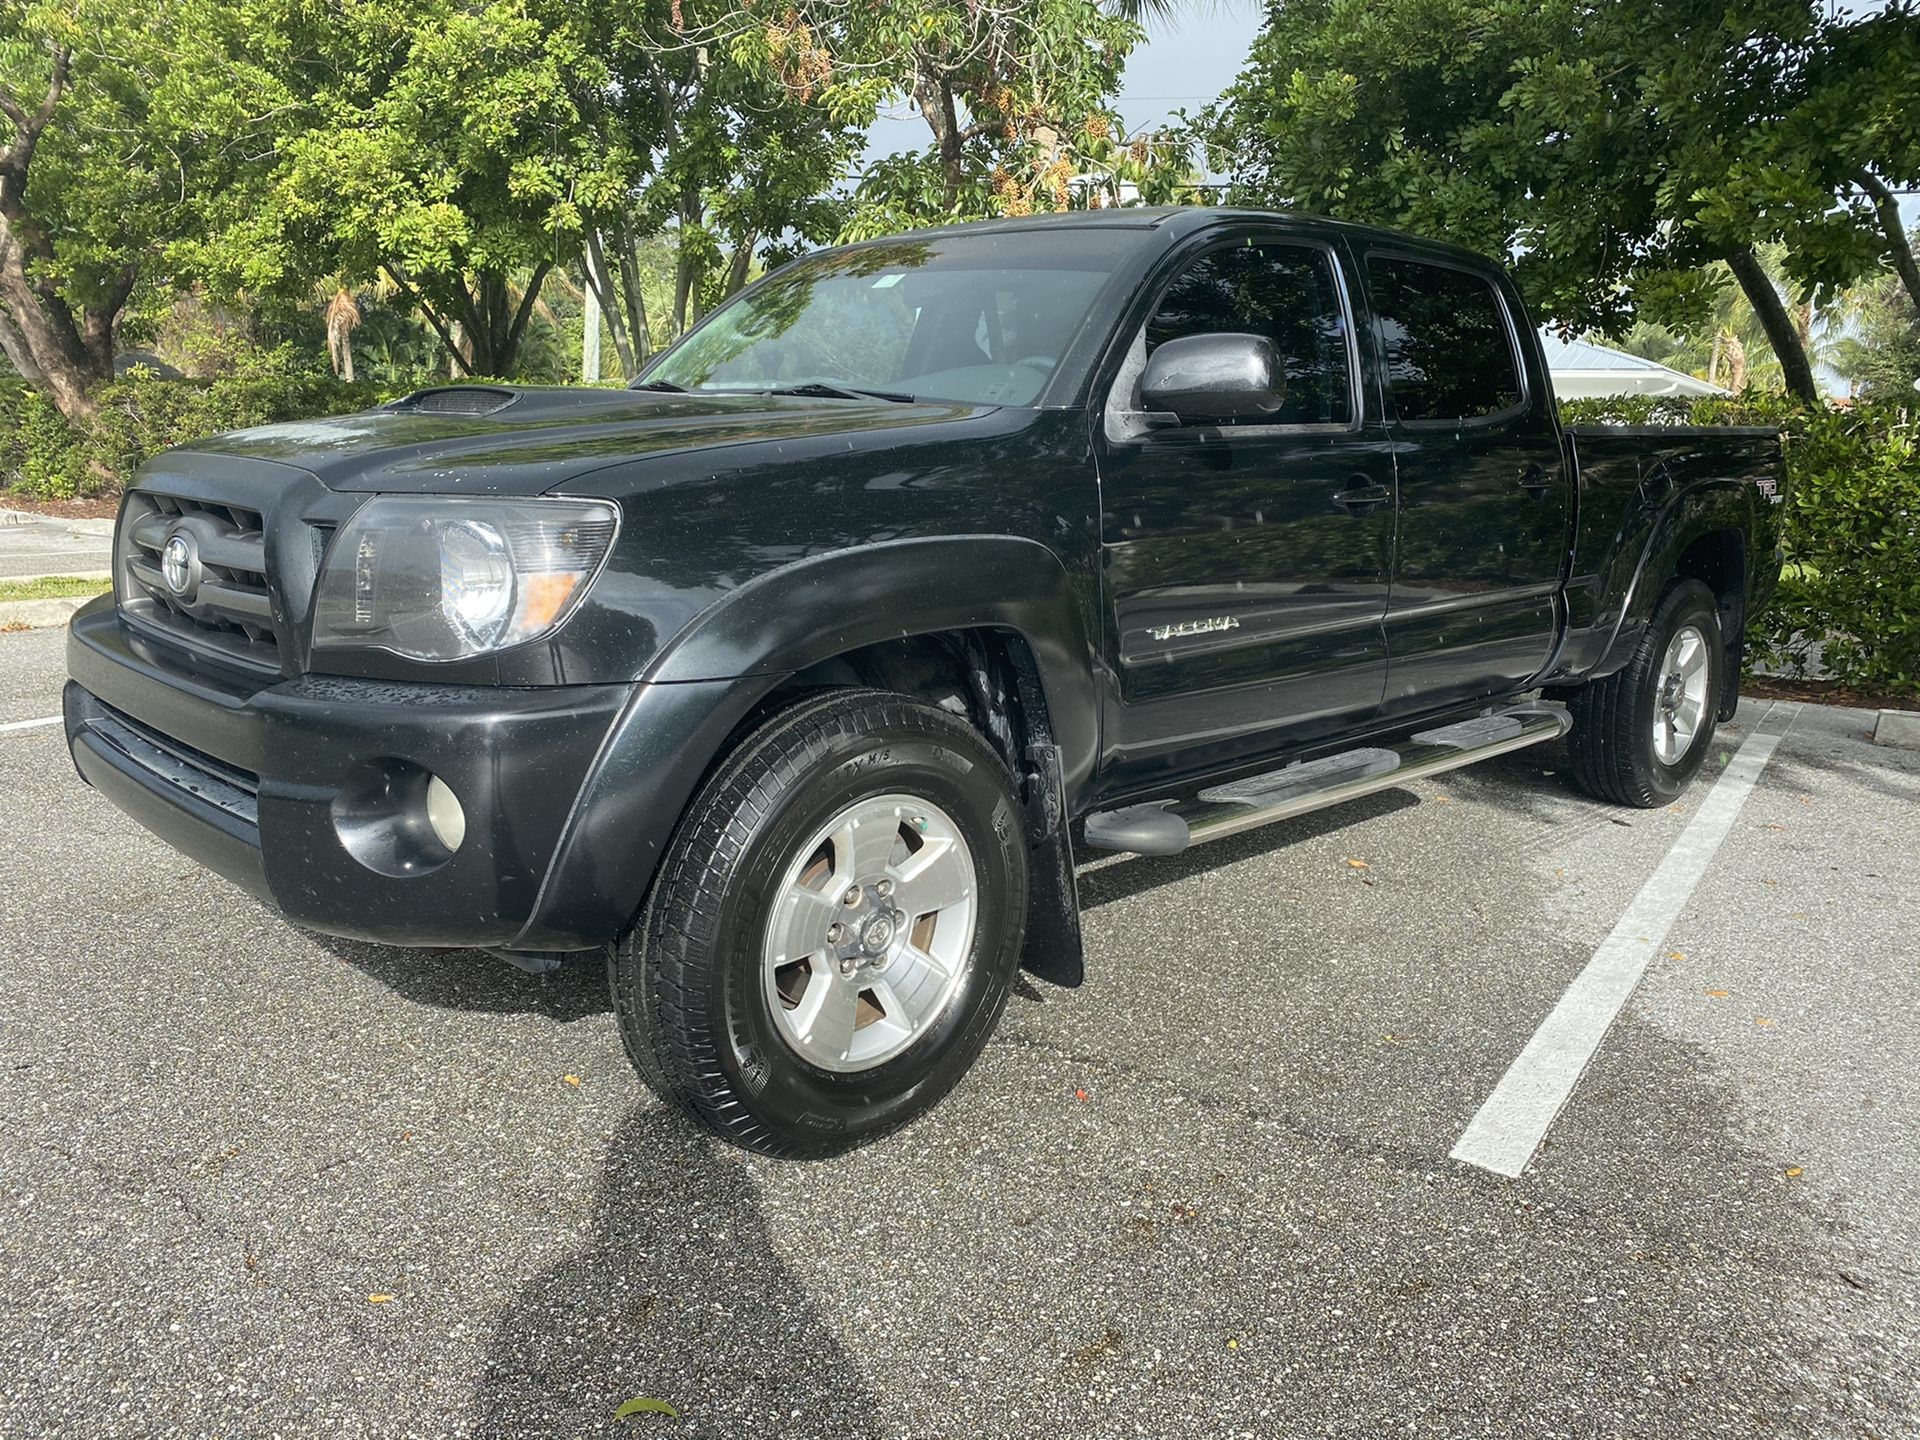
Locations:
column 1166, row 827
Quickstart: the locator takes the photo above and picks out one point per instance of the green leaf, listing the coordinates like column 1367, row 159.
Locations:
column 645, row 1405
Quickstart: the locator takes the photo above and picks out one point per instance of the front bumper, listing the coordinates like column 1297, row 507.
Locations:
column 252, row 781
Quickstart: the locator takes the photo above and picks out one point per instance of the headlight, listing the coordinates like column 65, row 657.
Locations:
column 434, row 577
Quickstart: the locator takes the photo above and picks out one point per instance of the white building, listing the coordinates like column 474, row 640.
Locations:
column 1581, row 368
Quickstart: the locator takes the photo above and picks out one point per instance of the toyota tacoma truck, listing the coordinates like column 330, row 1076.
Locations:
column 793, row 679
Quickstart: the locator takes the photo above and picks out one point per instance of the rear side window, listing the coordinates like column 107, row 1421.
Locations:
column 1449, row 351
column 1284, row 292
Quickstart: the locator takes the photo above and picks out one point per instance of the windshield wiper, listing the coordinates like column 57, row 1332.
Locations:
column 821, row 390
column 665, row 387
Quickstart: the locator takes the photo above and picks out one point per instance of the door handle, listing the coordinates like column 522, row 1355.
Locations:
column 1536, row 479
column 1363, row 499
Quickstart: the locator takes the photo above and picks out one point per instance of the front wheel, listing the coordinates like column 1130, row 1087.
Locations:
column 834, row 929
column 1640, row 734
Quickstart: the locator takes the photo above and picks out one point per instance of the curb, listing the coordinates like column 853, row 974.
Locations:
column 11, row 518
column 39, row 614
column 1898, row 727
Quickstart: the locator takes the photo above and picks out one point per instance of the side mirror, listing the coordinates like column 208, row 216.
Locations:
column 1214, row 377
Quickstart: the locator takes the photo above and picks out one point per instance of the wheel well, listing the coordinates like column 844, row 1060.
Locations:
column 987, row 675
column 1719, row 560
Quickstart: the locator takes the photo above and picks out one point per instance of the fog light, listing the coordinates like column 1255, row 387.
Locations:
column 444, row 814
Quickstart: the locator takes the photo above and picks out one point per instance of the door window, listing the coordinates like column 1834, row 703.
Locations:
column 1449, row 350
column 1284, row 292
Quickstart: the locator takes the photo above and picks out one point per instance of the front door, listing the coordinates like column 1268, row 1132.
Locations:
column 1485, row 497
column 1246, row 564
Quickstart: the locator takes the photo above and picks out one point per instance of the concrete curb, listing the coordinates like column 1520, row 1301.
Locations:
column 38, row 614
column 1898, row 727
column 10, row 518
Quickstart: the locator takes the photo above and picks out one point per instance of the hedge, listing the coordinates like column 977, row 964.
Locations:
column 1849, row 600
column 44, row 455
column 1848, row 603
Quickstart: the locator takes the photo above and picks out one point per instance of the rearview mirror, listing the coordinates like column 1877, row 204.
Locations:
column 1225, row 376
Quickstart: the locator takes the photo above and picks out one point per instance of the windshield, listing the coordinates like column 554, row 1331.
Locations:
column 981, row 319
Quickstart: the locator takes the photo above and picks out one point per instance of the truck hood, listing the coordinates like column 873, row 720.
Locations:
column 539, row 438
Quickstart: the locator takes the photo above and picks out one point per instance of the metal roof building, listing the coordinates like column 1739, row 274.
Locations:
column 1582, row 368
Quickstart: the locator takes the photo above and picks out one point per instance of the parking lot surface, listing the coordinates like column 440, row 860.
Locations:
column 54, row 547
column 1207, row 1194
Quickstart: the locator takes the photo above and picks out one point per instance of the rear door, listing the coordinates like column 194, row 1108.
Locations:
column 1246, row 563
column 1485, row 496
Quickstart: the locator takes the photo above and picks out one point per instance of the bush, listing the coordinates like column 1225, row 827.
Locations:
column 1849, row 600
column 44, row 455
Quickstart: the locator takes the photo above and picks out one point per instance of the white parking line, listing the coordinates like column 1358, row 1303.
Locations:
column 29, row 724
column 1503, row 1135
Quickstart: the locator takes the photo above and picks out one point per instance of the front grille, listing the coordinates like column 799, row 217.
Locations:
column 223, row 786
column 221, row 603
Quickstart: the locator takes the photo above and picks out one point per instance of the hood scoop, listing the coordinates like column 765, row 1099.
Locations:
column 457, row 400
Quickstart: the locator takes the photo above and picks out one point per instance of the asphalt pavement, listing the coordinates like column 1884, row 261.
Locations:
column 259, row 1183
column 31, row 545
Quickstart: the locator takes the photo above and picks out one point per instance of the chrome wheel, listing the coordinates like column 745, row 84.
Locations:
column 869, row 934
column 1681, row 701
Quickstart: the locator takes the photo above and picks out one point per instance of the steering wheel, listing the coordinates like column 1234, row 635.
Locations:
column 1039, row 362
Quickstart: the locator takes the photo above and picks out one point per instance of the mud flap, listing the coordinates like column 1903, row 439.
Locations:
column 1053, row 949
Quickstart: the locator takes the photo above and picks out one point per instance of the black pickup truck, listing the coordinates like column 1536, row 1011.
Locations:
column 792, row 679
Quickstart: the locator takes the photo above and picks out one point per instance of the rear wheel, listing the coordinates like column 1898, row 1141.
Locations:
column 1640, row 734
column 834, row 929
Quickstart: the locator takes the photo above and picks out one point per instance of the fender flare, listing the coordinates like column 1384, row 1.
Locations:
column 1699, row 509
column 897, row 589
column 709, row 678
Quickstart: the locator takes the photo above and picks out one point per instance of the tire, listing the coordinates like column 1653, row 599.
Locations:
column 716, row 1004
column 1618, row 754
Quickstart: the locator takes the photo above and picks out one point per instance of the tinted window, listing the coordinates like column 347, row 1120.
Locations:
column 1284, row 292
column 1449, row 354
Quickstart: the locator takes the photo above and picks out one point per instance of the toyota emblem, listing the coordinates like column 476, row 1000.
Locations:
column 176, row 564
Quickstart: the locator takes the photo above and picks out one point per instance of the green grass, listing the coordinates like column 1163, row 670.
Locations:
column 52, row 587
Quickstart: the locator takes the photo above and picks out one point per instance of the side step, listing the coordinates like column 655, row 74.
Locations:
column 1166, row 827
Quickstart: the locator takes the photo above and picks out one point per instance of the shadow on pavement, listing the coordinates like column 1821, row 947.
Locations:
column 475, row 980
column 679, row 1296
column 1150, row 872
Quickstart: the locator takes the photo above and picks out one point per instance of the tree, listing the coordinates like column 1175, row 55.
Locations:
column 1880, row 352
column 1505, row 126
column 125, row 137
column 434, row 145
column 1016, row 98
column 1610, row 151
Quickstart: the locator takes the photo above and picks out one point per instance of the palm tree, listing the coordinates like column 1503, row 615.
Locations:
column 343, row 318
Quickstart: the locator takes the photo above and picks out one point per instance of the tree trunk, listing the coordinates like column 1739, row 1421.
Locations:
column 14, row 346
column 488, row 328
column 61, row 353
column 1888, row 209
column 600, row 287
column 686, row 276
column 934, row 95
column 1772, row 313
column 740, row 264
column 636, row 299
